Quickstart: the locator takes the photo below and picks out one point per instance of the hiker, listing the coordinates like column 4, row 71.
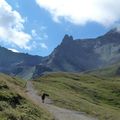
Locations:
column 43, row 97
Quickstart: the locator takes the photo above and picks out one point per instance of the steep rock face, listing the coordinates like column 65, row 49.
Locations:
column 74, row 55
column 109, row 47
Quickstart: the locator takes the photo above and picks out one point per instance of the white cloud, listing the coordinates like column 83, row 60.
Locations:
column 11, row 27
column 43, row 45
column 38, row 44
column 105, row 12
column 13, row 50
column 39, row 34
column 34, row 34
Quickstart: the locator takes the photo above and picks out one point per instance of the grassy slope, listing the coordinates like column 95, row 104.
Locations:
column 94, row 95
column 13, row 102
column 110, row 71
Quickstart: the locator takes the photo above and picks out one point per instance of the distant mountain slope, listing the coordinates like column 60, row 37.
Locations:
column 17, row 63
column 70, row 56
column 9, row 58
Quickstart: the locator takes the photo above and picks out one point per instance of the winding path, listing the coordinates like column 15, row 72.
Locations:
column 58, row 113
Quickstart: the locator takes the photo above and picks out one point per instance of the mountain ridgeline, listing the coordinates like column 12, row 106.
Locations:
column 70, row 56
column 17, row 63
column 81, row 55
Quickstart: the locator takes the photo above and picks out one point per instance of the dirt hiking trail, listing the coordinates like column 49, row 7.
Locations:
column 57, row 112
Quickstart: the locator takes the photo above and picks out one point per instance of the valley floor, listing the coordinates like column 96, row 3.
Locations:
column 59, row 113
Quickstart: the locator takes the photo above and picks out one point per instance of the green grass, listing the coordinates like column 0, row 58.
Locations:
column 110, row 71
column 95, row 95
column 14, row 104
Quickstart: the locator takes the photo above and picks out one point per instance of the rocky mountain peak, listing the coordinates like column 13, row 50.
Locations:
column 67, row 38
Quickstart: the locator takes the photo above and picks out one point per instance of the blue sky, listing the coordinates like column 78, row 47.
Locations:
column 43, row 25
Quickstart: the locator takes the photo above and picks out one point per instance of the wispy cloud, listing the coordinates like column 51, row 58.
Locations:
column 43, row 45
column 33, row 32
column 39, row 34
column 17, row 6
column 12, row 27
column 39, row 44
column 13, row 50
column 105, row 12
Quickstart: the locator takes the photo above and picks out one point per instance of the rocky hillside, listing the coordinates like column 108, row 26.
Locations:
column 17, row 63
column 81, row 55
column 70, row 56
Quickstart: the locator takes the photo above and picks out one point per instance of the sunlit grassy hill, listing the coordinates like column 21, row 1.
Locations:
column 14, row 104
column 95, row 95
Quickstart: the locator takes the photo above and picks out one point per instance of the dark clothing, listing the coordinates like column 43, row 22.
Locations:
column 43, row 96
